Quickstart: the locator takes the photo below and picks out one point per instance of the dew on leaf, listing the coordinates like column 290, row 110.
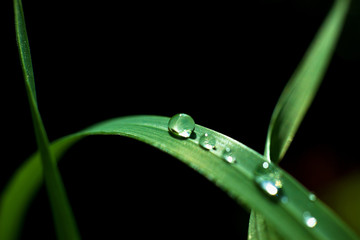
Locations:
column 312, row 197
column 207, row 141
column 268, row 179
column 228, row 155
column 181, row 125
column 309, row 220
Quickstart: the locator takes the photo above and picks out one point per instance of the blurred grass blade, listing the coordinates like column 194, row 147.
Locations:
column 236, row 179
column 261, row 230
column 296, row 99
column 64, row 220
column 303, row 85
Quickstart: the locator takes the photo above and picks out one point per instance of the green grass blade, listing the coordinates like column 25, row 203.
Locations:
column 63, row 217
column 24, row 49
column 303, row 85
column 259, row 229
column 236, row 179
column 296, row 99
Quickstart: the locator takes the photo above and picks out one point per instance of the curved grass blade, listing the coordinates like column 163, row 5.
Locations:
column 236, row 179
column 303, row 85
column 296, row 99
column 64, row 220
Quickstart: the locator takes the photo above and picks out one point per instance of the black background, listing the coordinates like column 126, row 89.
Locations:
column 224, row 64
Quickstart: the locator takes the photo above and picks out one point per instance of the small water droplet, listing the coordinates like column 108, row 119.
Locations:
column 309, row 220
column 207, row 141
column 312, row 197
column 265, row 165
column 269, row 180
column 229, row 155
column 181, row 125
column 284, row 199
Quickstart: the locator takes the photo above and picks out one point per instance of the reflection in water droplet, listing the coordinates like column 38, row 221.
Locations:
column 181, row 125
column 207, row 141
column 312, row 197
column 309, row 220
column 229, row 155
column 269, row 180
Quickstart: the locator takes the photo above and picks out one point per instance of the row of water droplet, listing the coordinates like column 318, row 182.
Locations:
column 267, row 177
column 182, row 126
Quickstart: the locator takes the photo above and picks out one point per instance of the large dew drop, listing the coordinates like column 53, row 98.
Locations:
column 268, row 179
column 181, row 125
column 207, row 141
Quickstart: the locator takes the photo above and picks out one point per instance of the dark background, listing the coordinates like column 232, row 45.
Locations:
column 223, row 64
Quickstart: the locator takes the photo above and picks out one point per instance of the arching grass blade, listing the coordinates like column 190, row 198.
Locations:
column 237, row 179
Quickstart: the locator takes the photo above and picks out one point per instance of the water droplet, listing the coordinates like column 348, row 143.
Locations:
column 309, row 220
column 269, row 180
column 181, row 125
column 265, row 165
column 229, row 155
column 285, row 199
column 207, row 141
column 312, row 197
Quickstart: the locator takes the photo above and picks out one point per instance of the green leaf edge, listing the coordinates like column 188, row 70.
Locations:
column 65, row 224
column 235, row 179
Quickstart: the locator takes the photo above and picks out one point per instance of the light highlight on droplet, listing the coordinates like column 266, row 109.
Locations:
column 268, row 179
column 309, row 220
column 270, row 188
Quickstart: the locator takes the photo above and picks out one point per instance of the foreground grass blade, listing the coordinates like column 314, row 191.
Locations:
column 236, row 179
column 296, row 99
column 64, row 220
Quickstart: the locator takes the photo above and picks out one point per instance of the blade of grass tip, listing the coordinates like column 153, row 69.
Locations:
column 65, row 224
column 297, row 97
column 304, row 83
column 24, row 49
column 237, row 178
